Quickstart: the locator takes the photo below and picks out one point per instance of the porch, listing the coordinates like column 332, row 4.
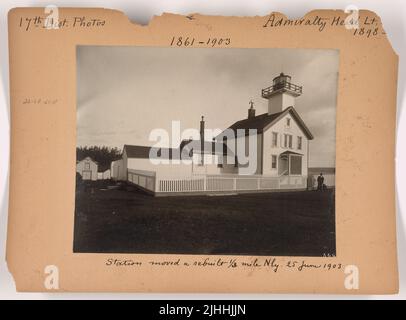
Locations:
column 290, row 163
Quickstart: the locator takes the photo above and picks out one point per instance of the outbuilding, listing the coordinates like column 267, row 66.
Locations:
column 87, row 168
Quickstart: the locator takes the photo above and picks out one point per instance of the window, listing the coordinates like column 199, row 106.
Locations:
column 287, row 141
column 287, row 122
column 273, row 166
column 299, row 143
column 87, row 165
column 274, row 139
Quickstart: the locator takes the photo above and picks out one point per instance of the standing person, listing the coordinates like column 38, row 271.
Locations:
column 320, row 182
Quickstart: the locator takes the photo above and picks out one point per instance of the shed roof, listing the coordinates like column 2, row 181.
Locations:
column 146, row 152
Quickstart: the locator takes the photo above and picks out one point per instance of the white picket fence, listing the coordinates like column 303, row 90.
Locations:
column 213, row 183
column 181, row 185
column 230, row 184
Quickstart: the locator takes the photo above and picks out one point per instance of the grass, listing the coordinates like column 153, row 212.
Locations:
column 300, row 223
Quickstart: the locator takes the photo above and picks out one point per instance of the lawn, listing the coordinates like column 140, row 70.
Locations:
column 300, row 223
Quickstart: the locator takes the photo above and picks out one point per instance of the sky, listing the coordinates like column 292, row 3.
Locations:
column 124, row 92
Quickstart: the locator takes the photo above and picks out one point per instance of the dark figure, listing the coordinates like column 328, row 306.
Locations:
column 320, row 182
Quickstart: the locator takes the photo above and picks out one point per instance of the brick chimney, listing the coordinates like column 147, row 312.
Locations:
column 251, row 110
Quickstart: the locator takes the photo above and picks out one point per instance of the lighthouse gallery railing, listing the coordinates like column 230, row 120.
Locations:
column 281, row 86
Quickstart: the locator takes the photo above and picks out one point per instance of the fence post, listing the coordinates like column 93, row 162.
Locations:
column 235, row 184
column 258, row 183
column 205, row 183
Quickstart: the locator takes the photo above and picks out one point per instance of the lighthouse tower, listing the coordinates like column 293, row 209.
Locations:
column 281, row 94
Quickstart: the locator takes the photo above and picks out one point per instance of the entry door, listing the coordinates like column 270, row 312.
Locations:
column 283, row 166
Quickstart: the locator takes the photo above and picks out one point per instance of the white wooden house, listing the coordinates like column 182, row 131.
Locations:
column 87, row 168
column 282, row 136
column 282, row 159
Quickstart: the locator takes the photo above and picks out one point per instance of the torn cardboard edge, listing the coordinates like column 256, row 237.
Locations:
column 26, row 256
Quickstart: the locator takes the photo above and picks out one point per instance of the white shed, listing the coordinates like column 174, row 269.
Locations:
column 118, row 171
column 87, row 168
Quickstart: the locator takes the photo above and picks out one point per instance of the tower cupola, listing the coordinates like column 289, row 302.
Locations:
column 281, row 94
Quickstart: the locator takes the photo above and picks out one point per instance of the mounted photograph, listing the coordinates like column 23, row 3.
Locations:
column 206, row 151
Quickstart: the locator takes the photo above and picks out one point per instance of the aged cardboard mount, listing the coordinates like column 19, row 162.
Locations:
column 43, row 95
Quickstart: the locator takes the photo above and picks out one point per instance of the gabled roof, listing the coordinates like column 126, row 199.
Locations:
column 186, row 146
column 258, row 122
column 86, row 159
column 264, row 121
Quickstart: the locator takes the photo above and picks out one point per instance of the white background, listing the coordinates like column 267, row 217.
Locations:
column 393, row 15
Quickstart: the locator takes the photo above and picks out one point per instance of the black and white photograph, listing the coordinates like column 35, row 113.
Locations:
column 206, row 151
